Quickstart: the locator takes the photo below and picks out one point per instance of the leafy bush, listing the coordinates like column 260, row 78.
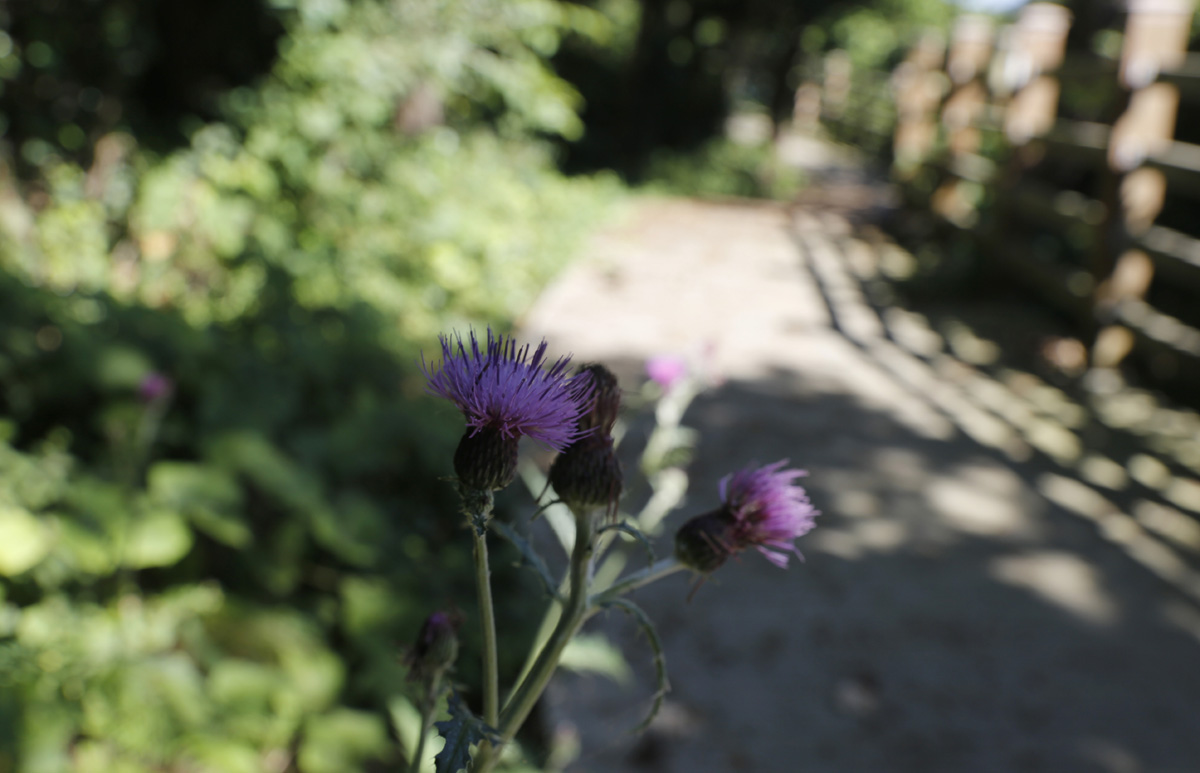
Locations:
column 218, row 573
column 722, row 167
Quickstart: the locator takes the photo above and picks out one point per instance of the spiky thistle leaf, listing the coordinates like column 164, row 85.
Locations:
column 660, row 662
column 529, row 557
column 461, row 731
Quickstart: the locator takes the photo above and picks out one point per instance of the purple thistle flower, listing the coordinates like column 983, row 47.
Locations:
column 154, row 387
column 666, row 370
column 762, row 508
column 770, row 511
column 505, row 393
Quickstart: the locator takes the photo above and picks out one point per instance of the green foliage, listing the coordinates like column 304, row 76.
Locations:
column 219, row 577
column 722, row 167
column 461, row 731
column 875, row 34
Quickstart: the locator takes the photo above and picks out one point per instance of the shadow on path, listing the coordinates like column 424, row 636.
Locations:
column 1004, row 577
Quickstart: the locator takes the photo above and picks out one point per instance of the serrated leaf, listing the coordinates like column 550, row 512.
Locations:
column 660, row 662
column 627, row 528
column 529, row 557
column 156, row 538
column 462, row 731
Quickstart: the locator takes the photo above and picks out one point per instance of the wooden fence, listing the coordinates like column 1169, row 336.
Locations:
column 1067, row 166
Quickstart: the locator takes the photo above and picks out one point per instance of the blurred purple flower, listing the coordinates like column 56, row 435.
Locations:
column 666, row 370
column 770, row 511
column 437, row 644
column 763, row 508
column 155, row 387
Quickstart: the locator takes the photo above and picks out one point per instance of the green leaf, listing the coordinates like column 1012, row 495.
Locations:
column 660, row 663
column 342, row 740
column 529, row 557
column 210, row 497
column 406, row 721
column 24, row 540
column 594, row 653
column 462, row 731
column 157, row 538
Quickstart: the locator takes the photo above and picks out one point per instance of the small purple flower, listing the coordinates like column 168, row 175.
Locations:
column 437, row 645
column 770, row 510
column 762, row 508
column 504, row 393
column 154, row 387
column 666, row 370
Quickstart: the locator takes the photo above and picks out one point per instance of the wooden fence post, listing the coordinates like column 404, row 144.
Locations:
column 966, row 65
column 917, row 87
column 1039, row 43
column 836, row 83
column 1156, row 35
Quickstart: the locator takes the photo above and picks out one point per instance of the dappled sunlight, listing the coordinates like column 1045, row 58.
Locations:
column 1028, row 420
column 1168, row 522
column 1063, row 579
column 1120, row 529
column 983, row 550
column 984, row 502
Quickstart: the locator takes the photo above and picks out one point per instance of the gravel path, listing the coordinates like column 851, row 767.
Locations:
column 1004, row 578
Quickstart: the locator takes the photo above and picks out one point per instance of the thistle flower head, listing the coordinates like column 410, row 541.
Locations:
column 437, row 644
column 504, row 392
column 763, row 508
column 770, row 510
column 666, row 370
column 155, row 387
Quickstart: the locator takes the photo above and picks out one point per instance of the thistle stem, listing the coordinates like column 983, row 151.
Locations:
column 526, row 695
column 652, row 573
column 478, row 508
column 427, row 710
column 487, row 618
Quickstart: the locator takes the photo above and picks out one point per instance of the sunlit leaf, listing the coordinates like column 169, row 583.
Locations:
column 24, row 540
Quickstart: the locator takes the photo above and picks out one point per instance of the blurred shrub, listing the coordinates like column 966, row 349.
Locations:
column 875, row 37
column 216, row 575
column 722, row 167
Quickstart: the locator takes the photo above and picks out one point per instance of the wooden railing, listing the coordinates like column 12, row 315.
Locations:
column 1061, row 163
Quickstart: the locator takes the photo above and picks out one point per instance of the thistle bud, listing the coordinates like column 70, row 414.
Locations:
column 587, row 475
column 437, row 644
column 707, row 541
column 604, row 402
column 486, row 460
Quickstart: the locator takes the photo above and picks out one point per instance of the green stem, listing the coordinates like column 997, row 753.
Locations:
column 526, row 695
column 487, row 618
column 652, row 573
column 427, row 710
column 477, row 506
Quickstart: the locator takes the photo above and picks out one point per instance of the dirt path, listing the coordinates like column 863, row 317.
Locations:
column 1004, row 578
